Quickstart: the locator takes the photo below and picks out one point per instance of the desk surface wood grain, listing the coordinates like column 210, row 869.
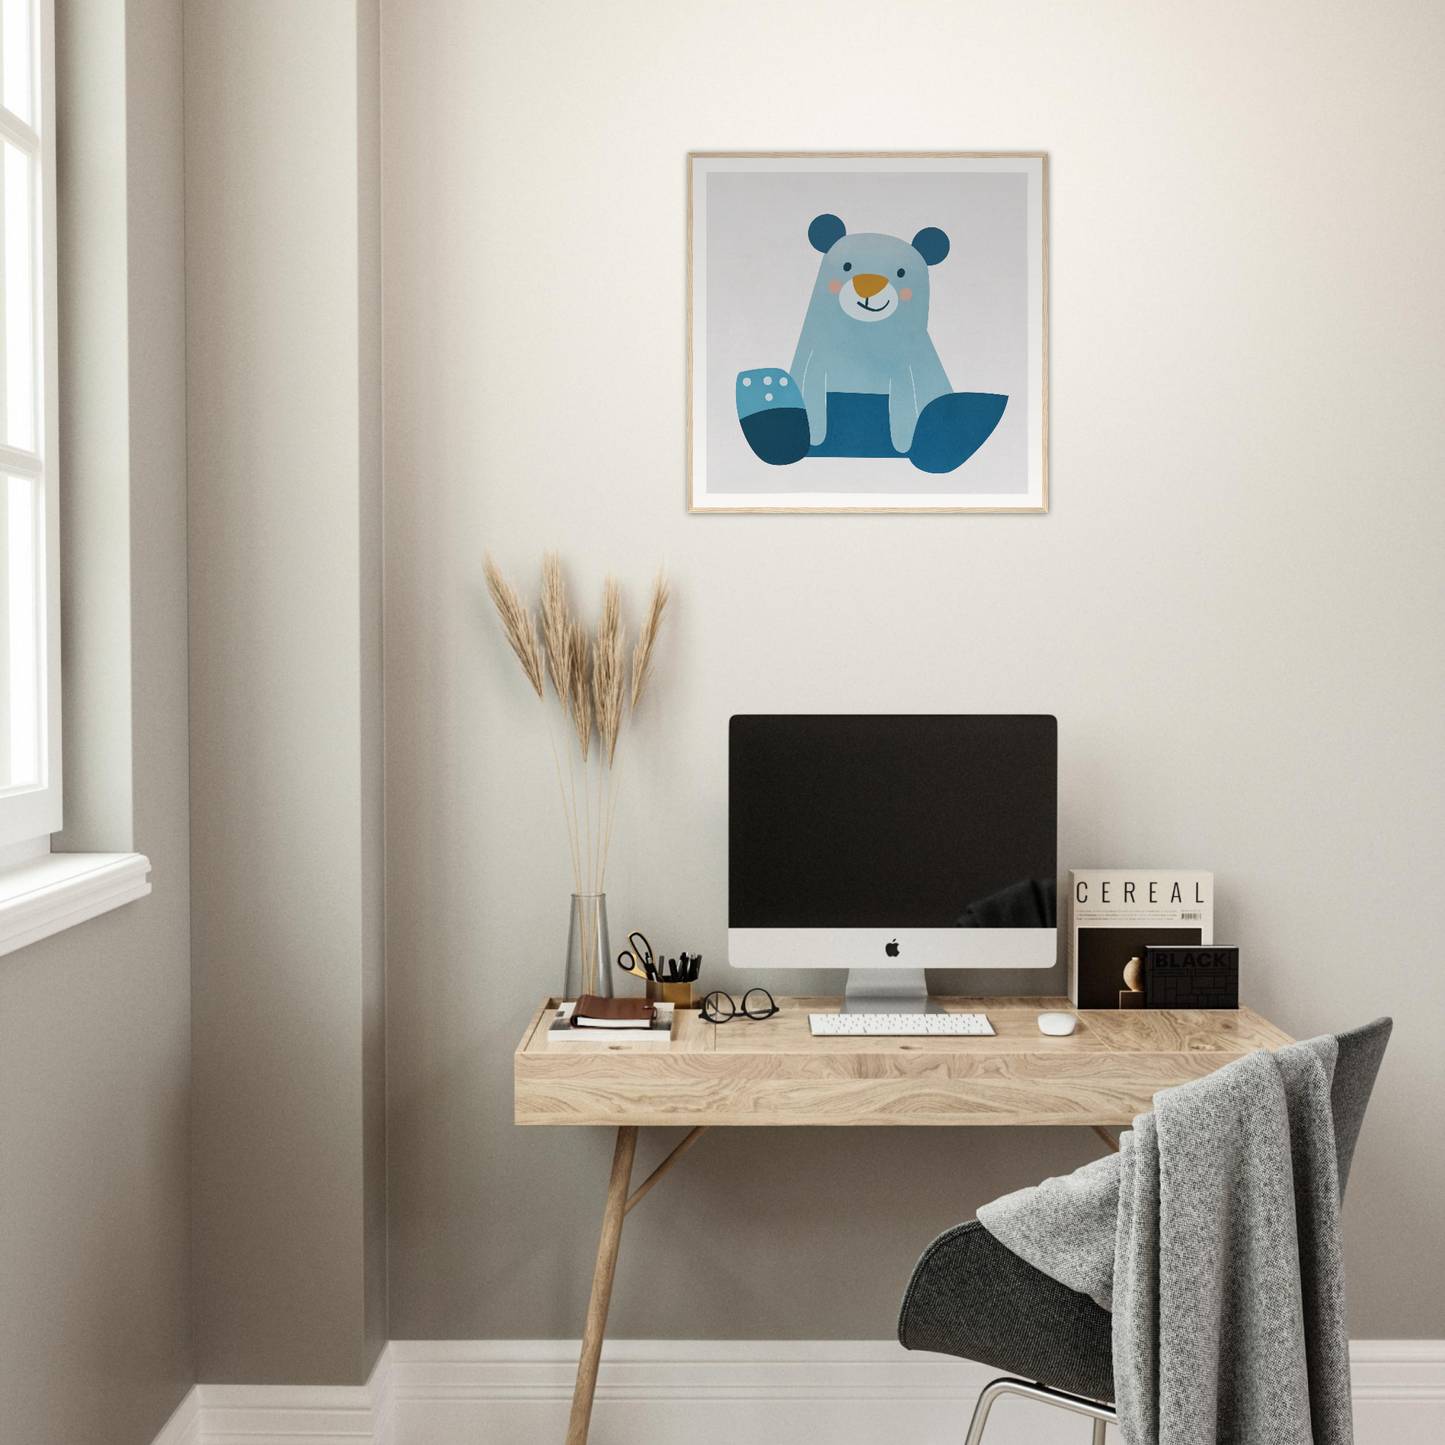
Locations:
column 774, row 1072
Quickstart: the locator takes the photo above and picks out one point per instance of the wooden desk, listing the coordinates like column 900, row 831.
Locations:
column 773, row 1072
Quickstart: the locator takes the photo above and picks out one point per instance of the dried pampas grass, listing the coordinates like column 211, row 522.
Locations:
column 589, row 681
column 555, row 633
column 609, row 670
column 516, row 622
column 579, row 685
column 647, row 636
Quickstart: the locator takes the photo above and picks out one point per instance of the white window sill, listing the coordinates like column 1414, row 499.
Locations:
column 59, row 890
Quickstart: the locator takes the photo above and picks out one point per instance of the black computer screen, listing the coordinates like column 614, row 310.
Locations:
column 934, row 821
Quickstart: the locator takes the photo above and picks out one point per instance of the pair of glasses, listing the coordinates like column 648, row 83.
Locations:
column 719, row 1008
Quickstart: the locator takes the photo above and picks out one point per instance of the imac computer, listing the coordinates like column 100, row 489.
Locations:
column 890, row 844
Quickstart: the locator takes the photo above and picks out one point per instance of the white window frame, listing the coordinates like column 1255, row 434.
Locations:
column 29, row 815
column 42, row 892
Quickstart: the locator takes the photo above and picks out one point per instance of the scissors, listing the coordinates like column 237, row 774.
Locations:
column 637, row 958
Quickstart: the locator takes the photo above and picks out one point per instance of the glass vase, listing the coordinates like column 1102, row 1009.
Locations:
column 589, row 952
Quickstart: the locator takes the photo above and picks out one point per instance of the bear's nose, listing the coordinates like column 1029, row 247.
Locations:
column 867, row 286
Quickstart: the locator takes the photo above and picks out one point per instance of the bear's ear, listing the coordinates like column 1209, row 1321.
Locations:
column 930, row 243
column 826, row 230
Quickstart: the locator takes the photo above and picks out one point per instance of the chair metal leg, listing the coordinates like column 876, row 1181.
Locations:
column 980, row 1411
column 1100, row 1414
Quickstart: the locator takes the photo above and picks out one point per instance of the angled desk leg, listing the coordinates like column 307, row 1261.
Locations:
column 612, row 1216
column 619, row 1204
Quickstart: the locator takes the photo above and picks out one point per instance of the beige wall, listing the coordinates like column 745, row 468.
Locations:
column 1234, row 606
column 282, row 321
column 95, row 1344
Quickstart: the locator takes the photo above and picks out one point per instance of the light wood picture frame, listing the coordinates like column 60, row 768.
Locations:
column 867, row 332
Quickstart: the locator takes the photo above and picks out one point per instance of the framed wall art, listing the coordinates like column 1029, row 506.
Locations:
column 867, row 333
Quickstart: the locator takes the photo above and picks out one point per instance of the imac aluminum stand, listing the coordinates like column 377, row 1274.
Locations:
column 887, row 991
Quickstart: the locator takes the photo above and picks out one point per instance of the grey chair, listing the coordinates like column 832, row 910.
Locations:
column 970, row 1296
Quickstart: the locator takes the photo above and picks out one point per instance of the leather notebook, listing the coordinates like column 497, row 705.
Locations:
column 593, row 1012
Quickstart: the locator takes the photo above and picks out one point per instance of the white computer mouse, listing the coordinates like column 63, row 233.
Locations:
column 1057, row 1023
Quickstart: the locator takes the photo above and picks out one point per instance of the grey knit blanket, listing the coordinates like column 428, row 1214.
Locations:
column 1214, row 1237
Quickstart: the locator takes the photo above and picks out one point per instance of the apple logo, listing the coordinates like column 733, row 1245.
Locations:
column 891, row 949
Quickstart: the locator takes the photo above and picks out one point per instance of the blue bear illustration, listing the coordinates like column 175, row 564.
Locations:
column 866, row 380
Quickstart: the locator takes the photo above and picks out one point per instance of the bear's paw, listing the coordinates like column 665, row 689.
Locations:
column 953, row 427
column 773, row 419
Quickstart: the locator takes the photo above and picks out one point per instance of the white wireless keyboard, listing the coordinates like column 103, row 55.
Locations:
column 899, row 1025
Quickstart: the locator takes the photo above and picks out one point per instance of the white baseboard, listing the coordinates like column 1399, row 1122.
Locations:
column 713, row 1392
column 288, row 1414
column 184, row 1427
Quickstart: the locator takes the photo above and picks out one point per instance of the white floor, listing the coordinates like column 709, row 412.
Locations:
column 715, row 1392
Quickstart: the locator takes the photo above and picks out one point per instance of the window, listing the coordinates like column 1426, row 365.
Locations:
column 41, row 892
column 30, row 797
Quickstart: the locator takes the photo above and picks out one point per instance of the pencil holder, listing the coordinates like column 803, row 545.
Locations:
column 679, row 994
